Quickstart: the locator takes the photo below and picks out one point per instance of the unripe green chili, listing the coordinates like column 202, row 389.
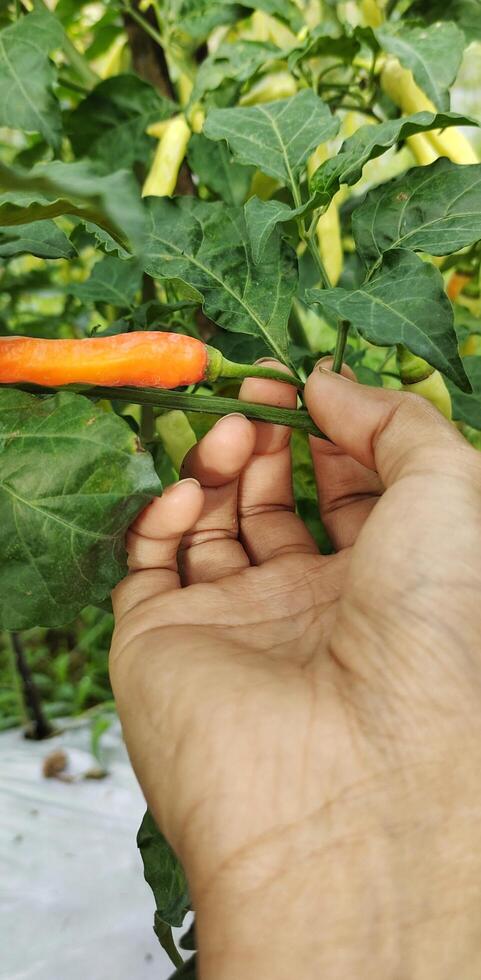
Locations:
column 420, row 378
column 145, row 359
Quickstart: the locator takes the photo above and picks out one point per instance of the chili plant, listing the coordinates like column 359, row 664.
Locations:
column 188, row 187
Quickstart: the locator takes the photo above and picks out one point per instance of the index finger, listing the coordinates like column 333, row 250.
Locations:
column 391, row 432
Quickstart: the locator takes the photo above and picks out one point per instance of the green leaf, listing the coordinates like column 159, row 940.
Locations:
column 319, row 44
column 370, row 142
column 191, row 21
column 276, row 137
column 69, row 11
column 112, row 280
column 433, row 54
column 262, row 217
column 287, row 10
column 111, row 202
column 163, row 872
column 27, row 75
column 465, row 13
column 189, row 939
column 467, row 408
column 72, row 481
column 404, row 303
column 240, row 347
column 434, row 209
column 40, row 238
column 188, row 971
column 237, row 62
column 109, row 125
column 207, row 247
column 215, row 167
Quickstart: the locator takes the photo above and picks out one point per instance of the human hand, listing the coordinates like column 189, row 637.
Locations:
column 306, row 728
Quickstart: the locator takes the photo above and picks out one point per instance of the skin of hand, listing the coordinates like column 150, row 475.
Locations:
column 307, row 728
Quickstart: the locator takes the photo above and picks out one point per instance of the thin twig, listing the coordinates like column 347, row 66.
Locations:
column 41, row 727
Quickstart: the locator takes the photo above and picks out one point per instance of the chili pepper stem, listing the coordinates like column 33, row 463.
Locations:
column 219, row 367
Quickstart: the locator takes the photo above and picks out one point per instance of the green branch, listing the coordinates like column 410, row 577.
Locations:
column 343, row 325
column 168, row 400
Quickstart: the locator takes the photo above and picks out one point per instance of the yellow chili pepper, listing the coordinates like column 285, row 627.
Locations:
column 263, row 186
column 328, row 229
column 399, row 85
column 196, row 118
column 422, row 149
column 372, row 13
column 177, row 435
column 267, row 28
column 115, row 60
column 418, row 377
column 162, row 177
column 157, row 129
column 471, row 346
column 313, row 11
column 275, row 85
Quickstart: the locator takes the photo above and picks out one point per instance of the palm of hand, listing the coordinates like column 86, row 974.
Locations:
column 250, row 643
column 286, row 646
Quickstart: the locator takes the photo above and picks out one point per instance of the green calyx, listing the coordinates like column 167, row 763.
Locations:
column 219, row 367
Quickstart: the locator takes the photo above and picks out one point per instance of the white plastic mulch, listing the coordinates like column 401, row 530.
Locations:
column 73, row 901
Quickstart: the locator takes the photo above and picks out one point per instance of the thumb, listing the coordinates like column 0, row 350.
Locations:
column 392, row 432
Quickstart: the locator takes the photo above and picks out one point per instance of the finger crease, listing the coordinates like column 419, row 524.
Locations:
column 205, row 537
column 350, row 498
column 255, row 510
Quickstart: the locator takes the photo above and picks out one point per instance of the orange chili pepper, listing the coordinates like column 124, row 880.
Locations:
column 457, row 283
column 143, row 359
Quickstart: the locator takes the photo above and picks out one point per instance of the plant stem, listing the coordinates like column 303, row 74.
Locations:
column 41, row 727
column 295, row 418
column 74, row 86
column 16, row 682
column 364, row 110
column 166, row 940
column 342, row 332
column 390, row 7
column 296, row 194
column 157, row 37
column 147, row 424
column 343, row 325
column 144, row 24
column 231, row 369
column 308, row 237
column 343, row 86
column 79, row 63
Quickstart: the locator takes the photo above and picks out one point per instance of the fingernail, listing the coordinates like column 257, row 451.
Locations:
column 266, row 360
column 180, row 483
column 328, row 370
column 232, row 415
column 322, row 362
